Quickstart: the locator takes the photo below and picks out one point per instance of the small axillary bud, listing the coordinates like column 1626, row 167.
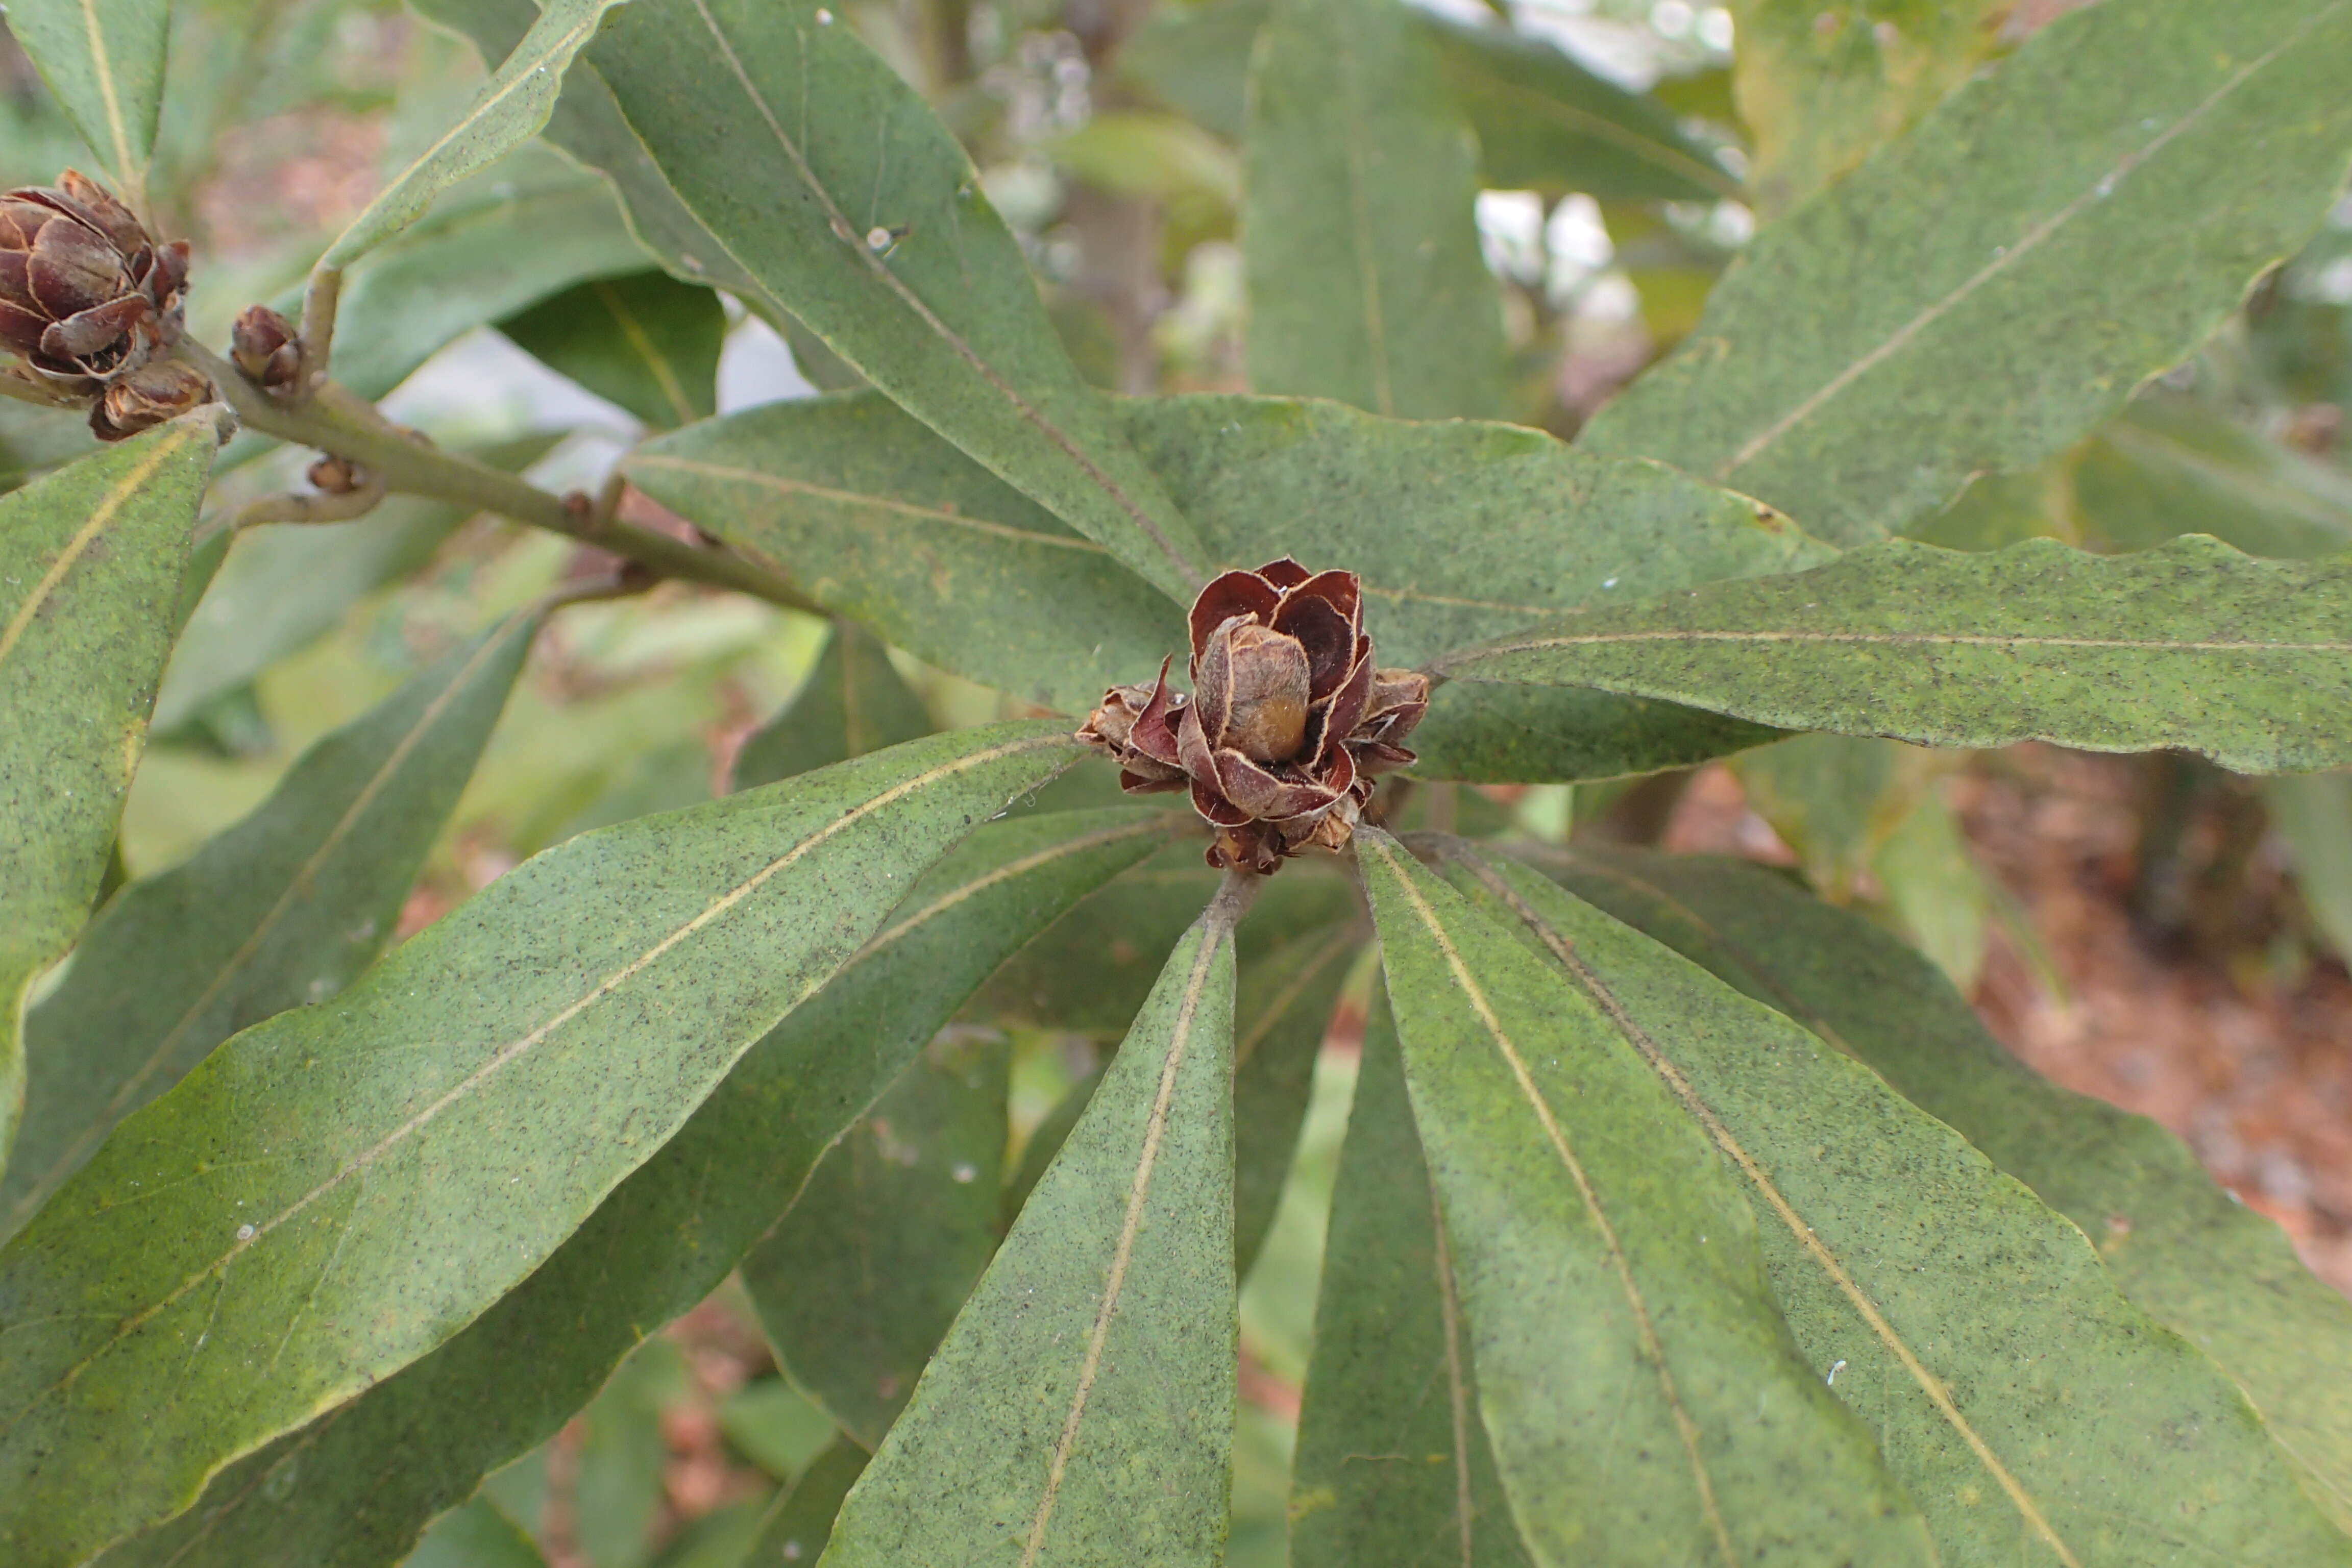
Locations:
column 1266, row 710
column 266, row 349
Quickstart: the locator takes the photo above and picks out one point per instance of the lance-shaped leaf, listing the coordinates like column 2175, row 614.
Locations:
column 2192, row 646
column 509, row 109
column 1082, row 1408
column 2178, row 1244
column 1545, row 122
column 1365, row 280
column 588, row 124
column 1393, row 1464
column 1291, row 970
column 344, row 1188
column 1989, row 287
column 649, row 343
column 831, row 180
column 1460, row 531
column 1645, row 1402
column 858, row 1284
column 352, row 1490
column 103, row 60
column 89, row 576
column 477, row 1535
column 2033, row 1411
column 798, row 1524
column 852, row 703
column 2315, row 817
column 282, row 910
column 1820, row 87
column 529, row 228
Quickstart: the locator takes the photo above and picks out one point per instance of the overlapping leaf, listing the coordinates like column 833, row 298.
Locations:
column 1104, row 1332
column 341, row 1190
column 2031, row 1411
column 89, row 575
column 1366, row 283
column 852, row 703
column 1994, row 284
column 2178, row 1244
column 1393, row 1463
column 2191, row 645
column 281, row 910
column 2315, row 815
column 647, row 343
column 828, row 178
column 857, row 1284
column 509, row 109
column 1820, row 87
column 1645, row 1402
column 352, row 1490
column 1460, row 531
column 103, row 60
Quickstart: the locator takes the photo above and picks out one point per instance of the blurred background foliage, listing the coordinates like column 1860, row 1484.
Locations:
column 2154, row 930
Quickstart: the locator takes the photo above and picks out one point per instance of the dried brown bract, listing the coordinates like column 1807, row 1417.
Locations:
column 87, row 296
column 1288, row 722
column 148, row 396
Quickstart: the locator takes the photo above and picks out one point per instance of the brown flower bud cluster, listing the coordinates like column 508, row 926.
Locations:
column 1288, row 721
column 264, row 347
column 91, row 301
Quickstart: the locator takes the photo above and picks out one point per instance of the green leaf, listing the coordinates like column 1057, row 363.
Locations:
column 587, row 124
column 1195, row 58
column 775, row 1426
column 2191, row 645
column 1365, row 280
column 2179, row 1246
column 2170, row 466
column 647, row 343
column 91, row 559
column 858, row 1284
column 852, row 703
column 103, row 60
column 832, row 181
column 476, row 1536
column 509, row 109
column 1833, row 799
column 875, row 518
column 283, row 588
column 1545, row 122
column 617, row 1489
column 1645, row 1402
column 1935, row 892
column 797, row 1526
column 1821, row 85
column 1291, row 974
column 254, row 1235
column 352, row 1490
column 532, row 227
column 279, row 911
column 1393, row 1463
column 1082, row 1408
column 2314, row 814
column 1992, row 286
column 2029, row 1408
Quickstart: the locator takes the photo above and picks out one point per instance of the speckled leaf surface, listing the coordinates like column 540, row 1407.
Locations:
column 1821, row 86
column 230, row 1229
column 2032, row 1411
column 1645, row 1402
column 2191, row 645
column 91, row 559
column 2178, row 1244
column 646, row 343
column 1393, row 1465
column 509, row 109
column 103, row 61
column 352, row 1490
column 279, row 911
column 831, row 180
column 1460, row 531
column 1995, row 283
column 857, row 1284
column 1365, row 280
column 852, row 703
column 1081, row 1410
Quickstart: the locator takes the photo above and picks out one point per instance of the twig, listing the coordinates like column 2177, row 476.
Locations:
column 24, row 389
column 313, row 506
column 332, row 420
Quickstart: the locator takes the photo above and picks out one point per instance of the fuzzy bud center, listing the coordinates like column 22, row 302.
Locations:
column 1266, row 716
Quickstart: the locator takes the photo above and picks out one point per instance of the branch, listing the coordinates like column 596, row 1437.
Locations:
column 332, row 420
